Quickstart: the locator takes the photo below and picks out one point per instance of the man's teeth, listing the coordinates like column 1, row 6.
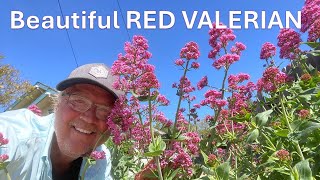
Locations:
column 83, row 131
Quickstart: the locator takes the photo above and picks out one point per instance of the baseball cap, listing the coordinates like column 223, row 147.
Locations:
column 96, row 74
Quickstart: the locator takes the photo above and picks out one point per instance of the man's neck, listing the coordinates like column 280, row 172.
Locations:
column 60, row 162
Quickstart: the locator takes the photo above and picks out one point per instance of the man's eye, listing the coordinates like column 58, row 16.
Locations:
column 104, row 109
column 77, row 102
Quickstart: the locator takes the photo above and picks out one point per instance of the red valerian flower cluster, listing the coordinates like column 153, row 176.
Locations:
column 133, row 69
column 272, row 79
column 121, row 119
column 283, row 155
column 219, row 39
column 96, row 155
column 268, row 50
column 35, row 109
column 289, row 42
column 190, row 51
column 3, row 141
column 310, row 12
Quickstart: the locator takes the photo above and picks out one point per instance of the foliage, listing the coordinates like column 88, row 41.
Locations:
column 264, row 130
column 12, row 86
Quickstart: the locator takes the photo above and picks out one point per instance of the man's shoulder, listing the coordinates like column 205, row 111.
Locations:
column 25, row 114
column 25, row 120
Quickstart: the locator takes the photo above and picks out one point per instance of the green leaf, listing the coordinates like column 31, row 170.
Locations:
column 153, row 153
column 312, row 44
column 241, row 118
column 173, row 174
column 304, row 170
column 308, row 128
column 154, row 97
column 253, row 136
column 223, row 170
column 282, row 132
column 180, row 138
column 205, row 157
column 262, row 118
column 156, row 148
column 143, row 98
column 3, row 165
column 207, row 171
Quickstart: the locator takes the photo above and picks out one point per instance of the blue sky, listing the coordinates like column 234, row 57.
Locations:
column 46, row 56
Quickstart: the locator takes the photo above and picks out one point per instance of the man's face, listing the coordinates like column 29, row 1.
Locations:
column 77, row 132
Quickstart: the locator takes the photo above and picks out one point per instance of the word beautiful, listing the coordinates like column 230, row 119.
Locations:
column 160, row 20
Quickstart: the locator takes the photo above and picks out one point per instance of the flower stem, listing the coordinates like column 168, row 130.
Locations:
column 7, row 174
column 269, row 141
column 180, row 99
column 159, row 167
column 86, row 166
column 152, row 135
column 295, row 143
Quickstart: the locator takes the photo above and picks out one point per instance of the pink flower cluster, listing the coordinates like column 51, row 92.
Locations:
column 184, row 86
column 163, row 100
column 182, row 123
column 133, row 69
column 160, row 117
column 219, row 38
column 272, row 78
column 202, row 83
column 230, row 126
column 212, row 160
column 3, row 157
column 304, row 113
column 140, row 133
column 289, row 42
column 314, row 32
column 213, row 99
column 309, row 14
column 35, row 109
column 268, row 50
column 121, row 119
column 190, row 51
column 226, row 60
column 238, row 48
column 192, row 142
column 283, row 155
column 179, row 156
column 183, row 160
column 241, row 94
column 234, row 80
column 3, row 141
column 98, row 155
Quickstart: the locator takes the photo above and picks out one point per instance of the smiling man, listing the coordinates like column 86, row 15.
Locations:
column 54, row 147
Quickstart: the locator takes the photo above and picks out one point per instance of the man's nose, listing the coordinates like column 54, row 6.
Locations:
column 90, row 115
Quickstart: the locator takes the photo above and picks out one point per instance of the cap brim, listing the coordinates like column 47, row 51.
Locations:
column 72, row 81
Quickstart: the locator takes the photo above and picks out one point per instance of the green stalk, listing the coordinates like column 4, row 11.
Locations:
column 222, row 89
column 140, row 117
column 7, row 173
column 295, row 143
column 235, row 161
column 219, row 109
column 180, row 99
column 189, row 118
column 152, row 135
column 86, row 166
column 269, row 141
